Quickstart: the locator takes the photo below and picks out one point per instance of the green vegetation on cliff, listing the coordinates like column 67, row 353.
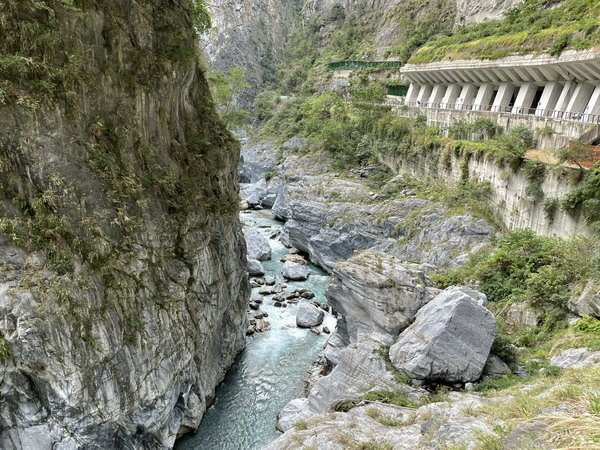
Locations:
column 360, row 32
column 587, row 198
column 541, row 272
column 535, row 26
column 42, row 61
column 113, row 144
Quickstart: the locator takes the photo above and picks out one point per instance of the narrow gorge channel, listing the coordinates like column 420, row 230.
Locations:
column 271, row 370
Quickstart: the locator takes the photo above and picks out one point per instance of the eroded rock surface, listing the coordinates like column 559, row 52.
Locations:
column 330, row 219
column 257, row 244
column 449, row 341
column 122, row 303
column 378, row 295
column 375, row 425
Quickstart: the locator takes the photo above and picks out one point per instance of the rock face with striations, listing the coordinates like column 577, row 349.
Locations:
column 123, row 281
column 257, row 245
column 331, row 218
column 251, row 34
column 449, row 340
column 377, row 295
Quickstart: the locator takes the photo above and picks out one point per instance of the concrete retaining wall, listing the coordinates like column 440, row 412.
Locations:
column 508, row 190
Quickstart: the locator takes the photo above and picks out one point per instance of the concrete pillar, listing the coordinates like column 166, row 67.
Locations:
column 424, row 94
column 524, row 98
column 467, row 96
column 579, row 100
column 436, row 96
column 484, row 96
column 549, row 99
column 411, row 94
column 502, row 100
column 593, row 106
column 563, row 99
column 452, row 93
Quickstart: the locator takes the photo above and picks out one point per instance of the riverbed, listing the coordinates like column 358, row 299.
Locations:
column 270, row 371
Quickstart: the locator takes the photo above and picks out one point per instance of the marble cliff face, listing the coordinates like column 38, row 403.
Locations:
column 123, row 283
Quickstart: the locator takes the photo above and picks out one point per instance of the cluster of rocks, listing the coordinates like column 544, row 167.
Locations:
column 433, row 336
column 259, row 195
column 257, row 321
column 330, row 218
column 448, row 422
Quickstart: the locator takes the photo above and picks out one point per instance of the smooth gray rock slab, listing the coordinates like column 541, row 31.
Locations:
column 449, row 341
column 257, row 245
column 308, row 315
column 295, row 143
column 294, row 271
column 255, row 267
column 588, row 303
column 520, row 314
column 576, row 358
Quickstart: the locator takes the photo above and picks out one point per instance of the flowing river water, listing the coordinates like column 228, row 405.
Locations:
column 270, row 371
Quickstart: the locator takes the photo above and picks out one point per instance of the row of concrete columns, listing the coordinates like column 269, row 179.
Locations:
column 568, row 99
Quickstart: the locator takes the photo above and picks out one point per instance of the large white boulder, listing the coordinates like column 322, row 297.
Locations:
column 308, row 315
column 257, row 245
column 294, row 271
column 449, row 340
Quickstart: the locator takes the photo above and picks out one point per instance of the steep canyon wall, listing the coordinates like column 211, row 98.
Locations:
column 123, row 282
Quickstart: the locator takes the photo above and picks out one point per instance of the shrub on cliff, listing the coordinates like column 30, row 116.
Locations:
column 587, row 198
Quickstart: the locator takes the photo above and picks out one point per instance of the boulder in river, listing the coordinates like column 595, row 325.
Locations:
column 294, row 271
column 449, row 340
column 255, row 268
column 309, row 315
column 266, row 290
column 257, row 245
column 294, row 258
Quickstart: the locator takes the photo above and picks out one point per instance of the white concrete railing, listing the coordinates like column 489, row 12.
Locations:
column 554, row 114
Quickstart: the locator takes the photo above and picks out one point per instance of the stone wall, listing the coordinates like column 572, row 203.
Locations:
column 508, row 194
